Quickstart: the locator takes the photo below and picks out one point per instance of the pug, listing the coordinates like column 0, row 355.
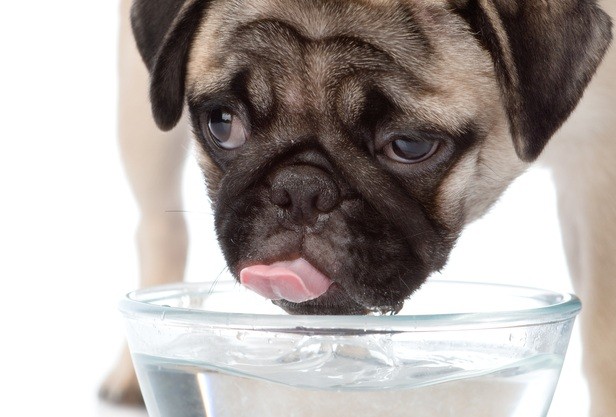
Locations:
column 347, row 143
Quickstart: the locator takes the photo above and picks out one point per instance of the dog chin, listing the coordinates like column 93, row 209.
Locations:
column 299, row 286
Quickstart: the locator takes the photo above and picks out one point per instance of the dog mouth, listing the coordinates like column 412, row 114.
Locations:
column 298, row 287
column 296, row 281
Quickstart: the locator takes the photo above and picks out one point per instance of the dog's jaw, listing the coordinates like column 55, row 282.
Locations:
column 297, row 286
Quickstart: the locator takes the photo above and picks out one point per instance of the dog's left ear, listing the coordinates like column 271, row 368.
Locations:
column 164, row 31
column 545, row 52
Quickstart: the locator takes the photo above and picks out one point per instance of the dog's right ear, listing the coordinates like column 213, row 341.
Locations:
column 164, row 31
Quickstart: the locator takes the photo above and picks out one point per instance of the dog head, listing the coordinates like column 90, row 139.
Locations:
column 346, row 143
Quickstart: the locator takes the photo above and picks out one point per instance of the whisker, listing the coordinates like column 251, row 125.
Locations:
column 419, row 234
column 186, row 211
column 402, row 281
column 217, row 280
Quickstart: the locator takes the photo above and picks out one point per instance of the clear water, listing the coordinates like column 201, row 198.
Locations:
column 426, row 388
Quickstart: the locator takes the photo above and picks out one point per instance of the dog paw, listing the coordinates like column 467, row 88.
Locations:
column 121, row 385
column 121, row 389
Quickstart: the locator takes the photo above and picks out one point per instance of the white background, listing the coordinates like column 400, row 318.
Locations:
column 67, row 218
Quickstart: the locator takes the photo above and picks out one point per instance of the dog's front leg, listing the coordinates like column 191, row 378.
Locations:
column 153, row 161
column 585, row 175
column 588, row 221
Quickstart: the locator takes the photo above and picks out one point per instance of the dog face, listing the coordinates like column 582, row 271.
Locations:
column 346, row 143
column 342, row 142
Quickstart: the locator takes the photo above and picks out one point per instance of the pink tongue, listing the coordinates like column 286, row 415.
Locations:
column 296, row 281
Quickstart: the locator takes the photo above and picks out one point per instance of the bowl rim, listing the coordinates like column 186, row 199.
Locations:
column 139, row 304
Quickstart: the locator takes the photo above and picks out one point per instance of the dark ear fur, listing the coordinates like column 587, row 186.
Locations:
column 545, row 52
column 164, row 31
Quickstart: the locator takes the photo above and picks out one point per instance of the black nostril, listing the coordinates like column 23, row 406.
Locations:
column 280, row 197
column 304, row 192
column 327, row 200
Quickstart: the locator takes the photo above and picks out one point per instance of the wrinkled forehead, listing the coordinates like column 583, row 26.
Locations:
column 292, row 33
column 300, row 51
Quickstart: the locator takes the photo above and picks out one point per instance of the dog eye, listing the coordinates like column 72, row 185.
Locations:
column 410, row 151
column 226, row 129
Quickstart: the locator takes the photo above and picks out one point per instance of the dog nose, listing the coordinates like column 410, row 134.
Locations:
column 304, row 192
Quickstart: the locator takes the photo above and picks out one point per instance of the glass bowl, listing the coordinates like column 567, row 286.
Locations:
column 456, row 349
